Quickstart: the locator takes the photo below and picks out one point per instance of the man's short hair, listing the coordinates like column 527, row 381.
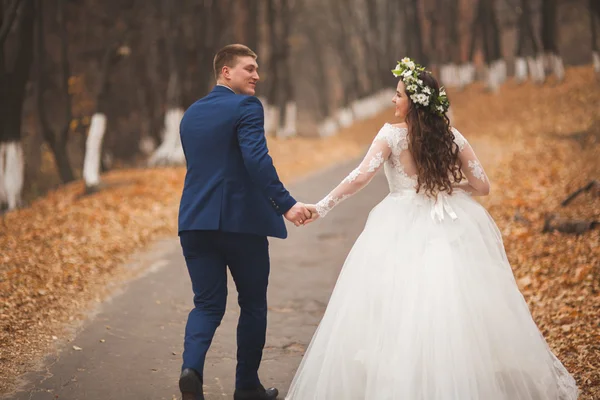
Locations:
column 228, row 55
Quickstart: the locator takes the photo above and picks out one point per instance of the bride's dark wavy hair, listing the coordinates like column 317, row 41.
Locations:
column 431, row 143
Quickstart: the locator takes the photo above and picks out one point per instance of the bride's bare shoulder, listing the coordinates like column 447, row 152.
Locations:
column 401, row 125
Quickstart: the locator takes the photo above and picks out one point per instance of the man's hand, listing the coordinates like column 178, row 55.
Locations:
column 298, row 214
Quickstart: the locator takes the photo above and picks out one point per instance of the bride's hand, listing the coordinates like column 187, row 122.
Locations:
column 314, row 215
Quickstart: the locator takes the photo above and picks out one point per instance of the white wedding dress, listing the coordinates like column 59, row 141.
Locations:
column 426, row 306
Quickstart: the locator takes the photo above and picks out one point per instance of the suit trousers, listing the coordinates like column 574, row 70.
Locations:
column 207, row 255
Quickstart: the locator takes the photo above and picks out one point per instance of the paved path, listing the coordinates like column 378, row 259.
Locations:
column 131, row 349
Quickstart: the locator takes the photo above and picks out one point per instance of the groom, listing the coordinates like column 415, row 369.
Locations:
column 232, row 200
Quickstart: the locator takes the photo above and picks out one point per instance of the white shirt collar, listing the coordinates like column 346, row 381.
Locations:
column 218, row 84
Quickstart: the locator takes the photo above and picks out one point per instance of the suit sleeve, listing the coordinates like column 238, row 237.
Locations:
column 258, row 162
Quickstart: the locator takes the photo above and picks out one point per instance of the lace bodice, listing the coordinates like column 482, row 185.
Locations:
column 390, row 150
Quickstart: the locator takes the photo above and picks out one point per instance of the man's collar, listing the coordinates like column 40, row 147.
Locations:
column 219, row 84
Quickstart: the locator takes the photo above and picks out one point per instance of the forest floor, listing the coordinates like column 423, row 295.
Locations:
column 67, row 252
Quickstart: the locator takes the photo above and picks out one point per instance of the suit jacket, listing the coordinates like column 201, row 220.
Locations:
column 231, row 184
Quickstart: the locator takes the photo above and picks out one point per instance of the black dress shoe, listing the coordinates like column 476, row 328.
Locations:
column 259, row 393
column 190, row 384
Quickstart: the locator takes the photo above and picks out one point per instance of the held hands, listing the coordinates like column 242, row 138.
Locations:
column 314, row 214
column 301, row 214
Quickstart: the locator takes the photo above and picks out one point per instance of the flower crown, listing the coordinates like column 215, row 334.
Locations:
column 421, row 94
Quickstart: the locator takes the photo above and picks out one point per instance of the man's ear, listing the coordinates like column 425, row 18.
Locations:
column 225, row 72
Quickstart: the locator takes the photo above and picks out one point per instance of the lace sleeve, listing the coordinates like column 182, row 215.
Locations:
column 380, row 150
column 478, row 182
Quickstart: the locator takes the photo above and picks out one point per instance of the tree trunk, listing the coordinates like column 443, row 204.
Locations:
column 12, row 95
column 57, row 140
column 349, row 72
column 170, row 151
column 328, row 125
column 93, row 152
column 272, row 111
column 553, row 60
column 594, row 17
column 353, row 88
column 251, row 29
column 93, row 146
column 417, row 33
column 287, row 124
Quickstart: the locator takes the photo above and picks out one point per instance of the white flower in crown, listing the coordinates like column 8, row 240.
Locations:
column 409, row 63
column 426, row 90
column 440, row 109
column 442, row 91
column 412, row 88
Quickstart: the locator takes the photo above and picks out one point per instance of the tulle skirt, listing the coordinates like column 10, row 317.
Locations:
column 426, row 308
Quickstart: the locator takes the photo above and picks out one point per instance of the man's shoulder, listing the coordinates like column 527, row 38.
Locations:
column 247, row 99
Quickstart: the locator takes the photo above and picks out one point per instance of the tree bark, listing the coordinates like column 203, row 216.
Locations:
column 170, row 151
column 95, row 137
column 553, row 60
column 57, row 140
column 251, row 35
column 12, row 95
column 350, row 62
column 594, row 18
column 418, row 34
column 287, row 104
column 550, row 26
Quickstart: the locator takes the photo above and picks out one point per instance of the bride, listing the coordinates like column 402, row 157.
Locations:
column 426, row 306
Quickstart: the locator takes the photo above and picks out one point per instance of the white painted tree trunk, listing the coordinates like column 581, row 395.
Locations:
column 289, row 128
column 467, row 74
column 520, row 70
column 454, row 75
column 444, row 80
column 170, row 151
column 596, row 60
column 533, row 69
column 358, row 110
column 492, row 80
column 450, row 75
column 12, row 171
column 501, row 69
column 385, row 98
column 345, row 117
column 558, row 67
column 271, row 119
column 93, row 150
column 147, row 145
column 327, row 128
column 540, row 70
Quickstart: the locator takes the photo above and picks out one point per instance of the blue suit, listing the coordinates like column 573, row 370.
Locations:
column 232, row 200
